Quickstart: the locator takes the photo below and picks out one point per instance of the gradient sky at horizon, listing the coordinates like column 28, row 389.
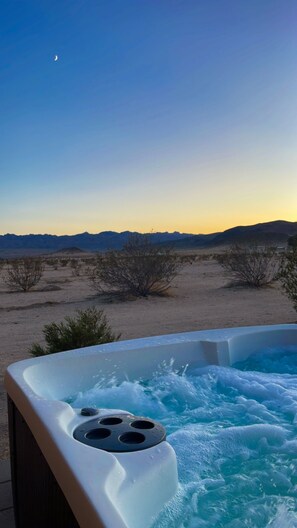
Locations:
column 159, row 114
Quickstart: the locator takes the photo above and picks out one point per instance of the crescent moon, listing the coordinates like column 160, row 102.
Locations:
column 56, row 58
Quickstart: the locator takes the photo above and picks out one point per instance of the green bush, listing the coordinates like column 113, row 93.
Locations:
column 288, row 276
column 89, row 327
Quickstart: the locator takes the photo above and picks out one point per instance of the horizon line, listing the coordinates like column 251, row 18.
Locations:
column 147, row 232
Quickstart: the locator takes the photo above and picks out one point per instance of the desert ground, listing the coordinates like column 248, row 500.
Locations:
column 200, row 297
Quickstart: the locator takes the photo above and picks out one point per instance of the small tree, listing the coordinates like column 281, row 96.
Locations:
column 23, row 274
column 288, row 276
column 254, row 267
column 90, row 327
column 140, row 269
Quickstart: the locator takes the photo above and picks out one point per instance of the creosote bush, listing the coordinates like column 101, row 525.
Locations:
column 250, row 266
column 288, row 275
column 89, row 327
column 292, row 242
column 53, row 262
column 76, row 267
column 139, row 269
column 188, row 259
column 64, row 262
column 23, row 274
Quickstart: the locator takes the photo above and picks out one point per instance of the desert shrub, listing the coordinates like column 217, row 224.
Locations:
column 250, row 266
column 76, row 267
column 204, row 257
column 89, row 260
column 188, row 259
column 292, row 241
column 23, row 274
column 89, row 327
column 288, row 276
column 53, row 262
column 140, row 269
column 64, row 262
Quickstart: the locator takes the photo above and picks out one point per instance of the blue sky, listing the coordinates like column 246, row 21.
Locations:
column 159, row 114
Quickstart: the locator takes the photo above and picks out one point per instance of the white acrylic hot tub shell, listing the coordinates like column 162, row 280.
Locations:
column 118, row 490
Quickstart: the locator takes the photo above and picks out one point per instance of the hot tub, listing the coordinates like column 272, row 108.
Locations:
column 60, row 481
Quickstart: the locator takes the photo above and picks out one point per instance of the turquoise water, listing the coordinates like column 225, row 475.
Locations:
column 234, row 431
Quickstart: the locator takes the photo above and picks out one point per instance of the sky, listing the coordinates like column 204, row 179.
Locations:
column 159, row 115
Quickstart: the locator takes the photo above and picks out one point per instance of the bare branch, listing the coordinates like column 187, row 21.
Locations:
column 255, row 267
column 140, row 269
column 23, row 274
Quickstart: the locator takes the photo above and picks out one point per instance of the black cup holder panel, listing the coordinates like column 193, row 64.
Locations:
column 120, row 433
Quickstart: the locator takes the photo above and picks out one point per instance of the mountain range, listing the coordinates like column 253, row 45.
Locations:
column 268, row 233
column 274, row 233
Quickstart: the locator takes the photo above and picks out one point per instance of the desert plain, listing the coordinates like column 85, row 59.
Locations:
column 200, row 297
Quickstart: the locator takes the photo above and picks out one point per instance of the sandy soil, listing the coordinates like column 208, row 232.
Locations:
column 199, row 299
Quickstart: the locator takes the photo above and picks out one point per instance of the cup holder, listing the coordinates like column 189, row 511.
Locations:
column 142, row 424
column 112, row 420
column 132, row 438
column 120, row 433
column 98, row 434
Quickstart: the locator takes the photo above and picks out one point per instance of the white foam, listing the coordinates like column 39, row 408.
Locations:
column 234, row 433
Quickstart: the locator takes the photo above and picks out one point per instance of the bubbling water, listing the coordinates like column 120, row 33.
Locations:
column 234, row 434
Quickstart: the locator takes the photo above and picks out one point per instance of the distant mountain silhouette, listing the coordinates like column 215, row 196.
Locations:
column 84, row 241
column 70, row 250
column 268, row 233
column 192, row 241
column 276, row 232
